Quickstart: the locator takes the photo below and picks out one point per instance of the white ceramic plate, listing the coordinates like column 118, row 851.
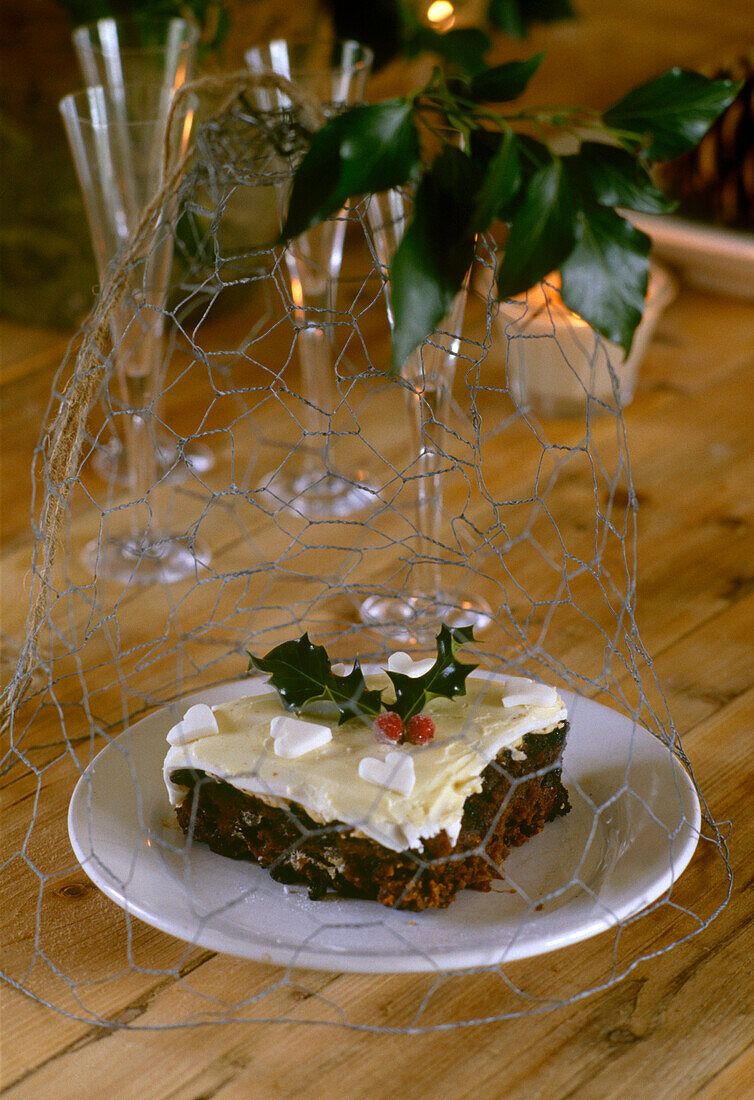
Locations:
column 720, row 260
column 632, row 830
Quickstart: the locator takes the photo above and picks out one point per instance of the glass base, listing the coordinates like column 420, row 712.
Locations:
column 128, row 561
column 111, row 461
column 417, row 619
column 322, row 495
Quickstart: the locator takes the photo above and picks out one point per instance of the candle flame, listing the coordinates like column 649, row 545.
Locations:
column 297, row 292
column 441, row 14
column 188, row 123
column 180, row 74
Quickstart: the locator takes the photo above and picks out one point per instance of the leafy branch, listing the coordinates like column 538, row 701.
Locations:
column 471, row 163
column 302, row 674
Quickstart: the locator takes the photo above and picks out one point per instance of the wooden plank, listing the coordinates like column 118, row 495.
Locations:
column 733, row 1080
column 639, row 1030
column 680, row 1018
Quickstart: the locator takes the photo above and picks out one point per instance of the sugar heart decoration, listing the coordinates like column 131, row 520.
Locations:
column 197, row 722
column 521, row 692
column 404, row 663
column 394, row 773
column 292, row 737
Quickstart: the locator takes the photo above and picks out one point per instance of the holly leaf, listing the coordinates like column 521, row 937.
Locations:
column 604, row 279
column 446, row 677
column 542, row 232
column 435, row 252
column 612, row 176
column 504, row 82
column 672, row 113
column 363, row 150
column 302, row 675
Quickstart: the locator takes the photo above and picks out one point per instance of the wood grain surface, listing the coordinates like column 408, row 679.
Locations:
column 680, row 1024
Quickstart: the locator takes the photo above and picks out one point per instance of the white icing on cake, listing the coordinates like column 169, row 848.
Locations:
column 328, row 781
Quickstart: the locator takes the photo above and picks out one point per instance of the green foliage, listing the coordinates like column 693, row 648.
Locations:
column 671, row 114
column 365, row 149
column 560, row 210
column 462, row 49
column 446, row 677
column 302, row 675
column 504, row 82
column 611, row 176
column 542, row 232
column 605, row 276
column 513, row 17
column 436, row 250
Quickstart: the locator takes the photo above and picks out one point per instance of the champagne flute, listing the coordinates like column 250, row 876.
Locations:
column 117, row 142
column 160, row 53
column 334, row 75
column 412, row 616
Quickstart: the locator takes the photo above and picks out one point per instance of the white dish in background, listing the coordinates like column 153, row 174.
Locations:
column 647, row 825
column 720, row 260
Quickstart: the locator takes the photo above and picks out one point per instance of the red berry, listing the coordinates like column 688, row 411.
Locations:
column 388, row 726
column 420, row 729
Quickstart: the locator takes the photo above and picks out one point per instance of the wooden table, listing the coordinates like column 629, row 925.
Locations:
column 679, row 1024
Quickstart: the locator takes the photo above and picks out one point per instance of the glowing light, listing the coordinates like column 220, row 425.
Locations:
column 297, row 292
column 188, row 123
column 440, row 11
column 180, row 74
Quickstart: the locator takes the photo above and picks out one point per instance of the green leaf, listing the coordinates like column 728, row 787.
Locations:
column 435, row 253
column 612, row 176
column 605, row 277
column 546, row 11
column 302, row 675
column 533, row 154
column 446, row 677
column 672, row 113
column 542, row 232
column 363, row 150
column 502, row 179
column 464, row 48
column 506, row 16
column 513, row 17
column 504, row 82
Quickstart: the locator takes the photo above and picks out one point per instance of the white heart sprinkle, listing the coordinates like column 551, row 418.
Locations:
column 404, row 663
column 197, row 722
column 293, row 737
column 394, row 773
column 517, row 683
column 536, row 695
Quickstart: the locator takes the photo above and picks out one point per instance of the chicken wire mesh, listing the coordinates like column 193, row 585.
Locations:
column 229, row 464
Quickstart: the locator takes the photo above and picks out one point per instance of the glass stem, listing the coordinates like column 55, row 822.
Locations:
column 317, row 386
column 314, row 265
column 428, row 397
column 138, row 369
